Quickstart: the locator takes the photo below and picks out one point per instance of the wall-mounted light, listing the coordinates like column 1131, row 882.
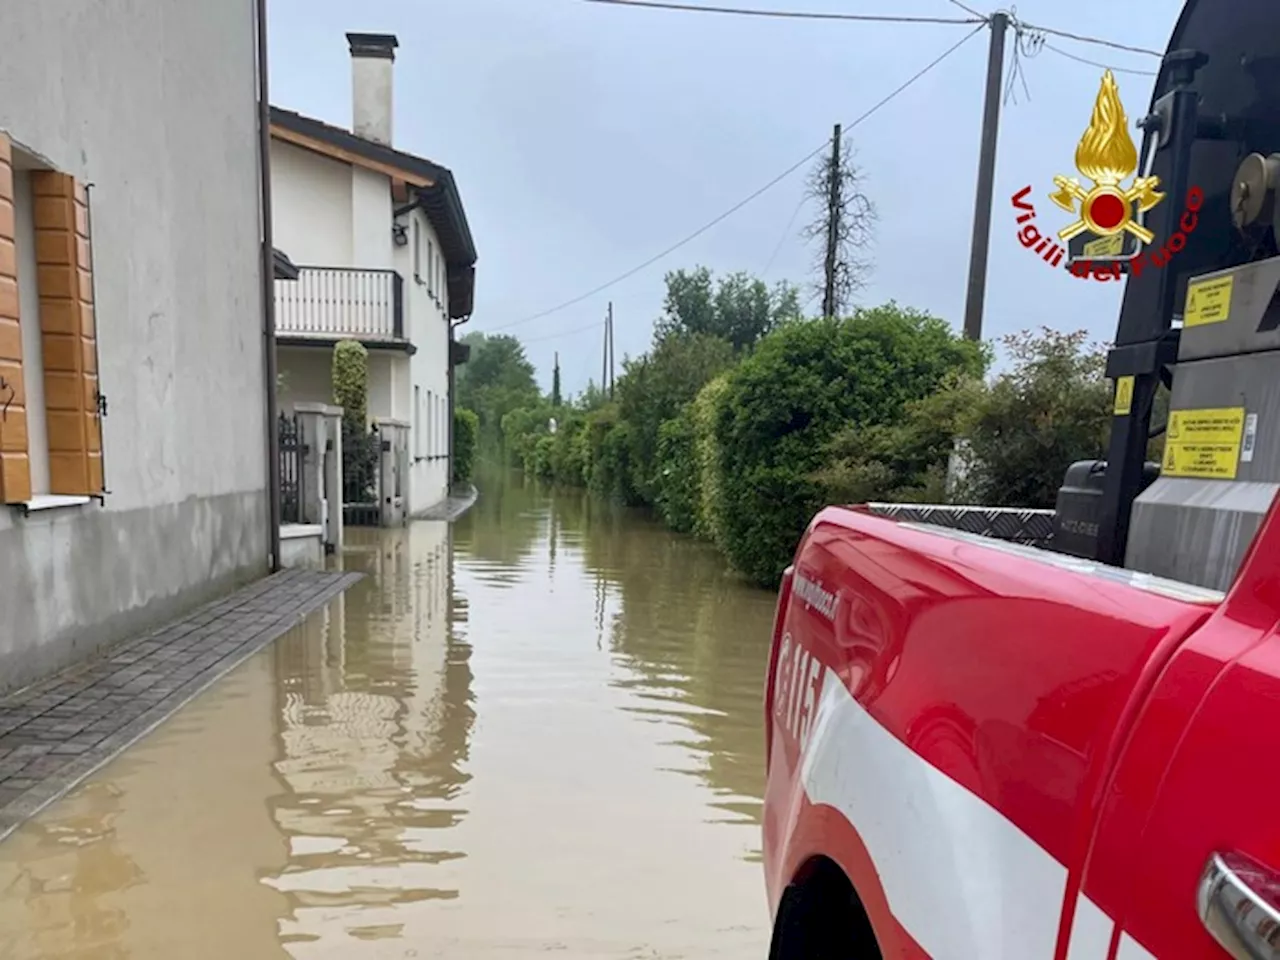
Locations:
column 399, row 235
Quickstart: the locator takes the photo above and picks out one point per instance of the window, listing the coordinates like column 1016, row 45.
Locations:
column 440, row 287
column 417, row 422
column 417, row 252
column 444, row 427
column 431, row 286
column 50, row 425
column 427, row 417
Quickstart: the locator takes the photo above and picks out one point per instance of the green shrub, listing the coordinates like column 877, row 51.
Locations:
column 361, row 450
column 466, row 433
column 610, row 444
column 805, row 382
column 1051, row 408
column 903, row 462
column 676, row 481
column 706, row 406
column 654, row 389
column 351, row 380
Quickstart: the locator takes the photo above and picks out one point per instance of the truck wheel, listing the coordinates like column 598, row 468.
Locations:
column 821, row 918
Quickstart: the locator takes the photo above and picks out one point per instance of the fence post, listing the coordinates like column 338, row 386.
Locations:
column 333, row 476
column 311, row 425
column 394, row 434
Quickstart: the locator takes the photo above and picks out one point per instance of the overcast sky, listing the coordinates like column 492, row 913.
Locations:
column 586, row 138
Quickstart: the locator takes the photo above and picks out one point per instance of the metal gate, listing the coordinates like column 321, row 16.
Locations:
column 361, row 470
column 293, row 455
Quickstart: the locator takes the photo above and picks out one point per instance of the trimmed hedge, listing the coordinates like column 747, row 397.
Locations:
column 785, row 402
column 466, row 435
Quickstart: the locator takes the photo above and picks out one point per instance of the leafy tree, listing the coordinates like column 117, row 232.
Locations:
column 655, row 387
column 737, row 308
column 805, row 382
column 497, row 379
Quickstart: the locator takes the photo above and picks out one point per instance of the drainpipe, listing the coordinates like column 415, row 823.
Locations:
column 268, row 294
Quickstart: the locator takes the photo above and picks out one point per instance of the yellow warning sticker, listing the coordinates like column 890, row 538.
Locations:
column 1111, row 246
column 1124, row 396
column 1208, row 301
column 1204, row 443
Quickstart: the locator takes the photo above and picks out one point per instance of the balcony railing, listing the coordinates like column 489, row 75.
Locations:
column 339, row 302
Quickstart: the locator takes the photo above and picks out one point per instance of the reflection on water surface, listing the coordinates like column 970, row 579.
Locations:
column 536, row 731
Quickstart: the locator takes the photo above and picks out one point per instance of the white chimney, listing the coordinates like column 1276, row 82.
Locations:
column 372, row 58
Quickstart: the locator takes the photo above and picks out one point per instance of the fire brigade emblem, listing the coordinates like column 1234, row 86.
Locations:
column 1111, row 213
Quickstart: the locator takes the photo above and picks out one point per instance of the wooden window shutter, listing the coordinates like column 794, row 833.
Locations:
column 15, row 459
column 65, row 283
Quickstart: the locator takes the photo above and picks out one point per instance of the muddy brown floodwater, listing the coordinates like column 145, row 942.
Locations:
column 536, row 732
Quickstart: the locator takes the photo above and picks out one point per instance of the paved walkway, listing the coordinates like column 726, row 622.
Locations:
column 59, row 731
column 453, row 506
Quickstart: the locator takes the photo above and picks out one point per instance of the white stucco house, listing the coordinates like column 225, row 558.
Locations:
column 133, row 364
column 384, row 255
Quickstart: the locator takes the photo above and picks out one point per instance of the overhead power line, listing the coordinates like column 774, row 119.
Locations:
column 1081, row 38
column 967, row 9
column 746, row 200
column 1098, row 63
column 784, row 14
column 597, row 325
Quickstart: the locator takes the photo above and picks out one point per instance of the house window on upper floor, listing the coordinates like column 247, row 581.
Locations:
column 440, row 288
column 431, row 285
column 417, row 252
column 50, row 421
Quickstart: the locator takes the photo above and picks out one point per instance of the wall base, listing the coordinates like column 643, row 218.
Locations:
column 73, row 582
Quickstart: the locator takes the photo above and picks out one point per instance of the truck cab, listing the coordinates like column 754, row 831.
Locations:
column 1055, row 735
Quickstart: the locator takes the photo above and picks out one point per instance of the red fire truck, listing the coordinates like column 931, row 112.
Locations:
column 1055, row 735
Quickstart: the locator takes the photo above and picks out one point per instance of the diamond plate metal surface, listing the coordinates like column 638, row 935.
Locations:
column 1030, row 527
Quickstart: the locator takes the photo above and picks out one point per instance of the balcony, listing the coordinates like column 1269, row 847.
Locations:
column 340, row 303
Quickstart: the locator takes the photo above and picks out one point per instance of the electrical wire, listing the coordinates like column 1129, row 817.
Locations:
column 785, row 234
column 746, row 200
column 598, row 325
column 1097, row 63
column 968, row 10
column 784, row 14
column 1097, row 41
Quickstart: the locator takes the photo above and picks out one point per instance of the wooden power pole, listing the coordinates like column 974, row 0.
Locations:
column 981, row 243
column 609, row 336
column 834, row 183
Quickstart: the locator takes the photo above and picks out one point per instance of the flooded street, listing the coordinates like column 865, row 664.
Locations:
column 536, row 732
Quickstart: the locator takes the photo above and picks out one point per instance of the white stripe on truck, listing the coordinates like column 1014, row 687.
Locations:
column 963, row 880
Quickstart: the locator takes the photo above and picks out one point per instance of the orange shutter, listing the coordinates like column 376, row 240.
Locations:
column 15, row 462
column 65, row 282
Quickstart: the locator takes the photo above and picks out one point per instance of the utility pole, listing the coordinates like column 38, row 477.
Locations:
column 834, row 181
column 610, row 348
column 981, row 243
column 604, row 358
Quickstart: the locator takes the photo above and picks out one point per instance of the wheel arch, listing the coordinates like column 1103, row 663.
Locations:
column 822, row 917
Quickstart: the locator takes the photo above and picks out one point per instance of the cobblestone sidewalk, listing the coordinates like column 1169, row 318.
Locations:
column 59, row 731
